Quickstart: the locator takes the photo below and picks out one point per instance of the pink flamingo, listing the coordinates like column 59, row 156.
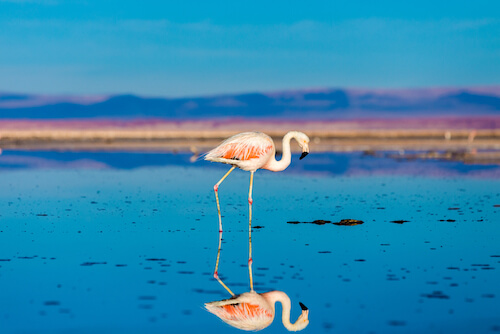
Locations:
column 251, row 151
column 252, row 311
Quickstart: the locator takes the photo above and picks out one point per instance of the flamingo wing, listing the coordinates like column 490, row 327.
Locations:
column 243, row 146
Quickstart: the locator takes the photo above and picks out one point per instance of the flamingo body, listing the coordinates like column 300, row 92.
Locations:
column 248, row 151
column 249, row 311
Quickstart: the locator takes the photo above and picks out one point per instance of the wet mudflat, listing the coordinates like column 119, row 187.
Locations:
column 122, row 246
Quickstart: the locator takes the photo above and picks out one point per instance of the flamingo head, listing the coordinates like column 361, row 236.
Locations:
column 303, row 141
column 303, row 319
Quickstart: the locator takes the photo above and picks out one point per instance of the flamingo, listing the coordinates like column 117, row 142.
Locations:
column 251, row 151
column 251, row 311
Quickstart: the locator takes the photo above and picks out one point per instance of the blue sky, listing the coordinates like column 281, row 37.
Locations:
column 174, row 48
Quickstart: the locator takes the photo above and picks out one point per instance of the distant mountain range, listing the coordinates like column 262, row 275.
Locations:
column 296, row 104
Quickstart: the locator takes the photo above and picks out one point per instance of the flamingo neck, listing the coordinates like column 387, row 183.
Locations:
column 286, row 158
column 279, row 296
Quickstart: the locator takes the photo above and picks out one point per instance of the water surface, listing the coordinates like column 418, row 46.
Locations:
column 126, row 243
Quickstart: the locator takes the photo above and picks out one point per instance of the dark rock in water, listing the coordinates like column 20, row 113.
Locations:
column 488, row 295
column 321, row 222
column 327, row 326
column 345, row 222
column 495, row 328
column 396, row 323
column 436, row 295
column 349, row 222
column 146, row 297
column 88, row 264
column 399, row 221
column 316, row 222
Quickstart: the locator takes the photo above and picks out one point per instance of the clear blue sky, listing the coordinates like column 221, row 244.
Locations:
column 186, row 48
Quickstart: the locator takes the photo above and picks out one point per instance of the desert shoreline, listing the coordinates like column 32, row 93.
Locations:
column 463, row 139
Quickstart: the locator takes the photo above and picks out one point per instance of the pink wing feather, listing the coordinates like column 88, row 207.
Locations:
column 243, row 146
column 244, row 316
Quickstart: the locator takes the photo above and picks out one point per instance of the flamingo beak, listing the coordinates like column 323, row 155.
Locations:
column 303, row 307
column 305, row 150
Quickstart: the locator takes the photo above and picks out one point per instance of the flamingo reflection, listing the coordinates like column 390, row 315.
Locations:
column 254, row 311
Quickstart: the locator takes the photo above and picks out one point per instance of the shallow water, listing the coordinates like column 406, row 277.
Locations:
column 126, row 243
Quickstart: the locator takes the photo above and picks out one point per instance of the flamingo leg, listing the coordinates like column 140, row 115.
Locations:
column 216, row 190
column 250, row 201
column 216, row 273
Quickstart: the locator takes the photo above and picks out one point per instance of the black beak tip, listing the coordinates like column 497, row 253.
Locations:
column 303, row 155
column 303, row 307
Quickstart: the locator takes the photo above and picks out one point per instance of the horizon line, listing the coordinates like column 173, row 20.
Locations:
column 493, row 89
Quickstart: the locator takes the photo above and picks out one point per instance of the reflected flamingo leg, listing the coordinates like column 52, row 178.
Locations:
column 216, row 190
column 250, row 202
